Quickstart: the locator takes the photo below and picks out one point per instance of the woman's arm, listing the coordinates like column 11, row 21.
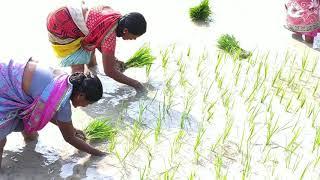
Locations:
column 109, row 66
column 69, row 135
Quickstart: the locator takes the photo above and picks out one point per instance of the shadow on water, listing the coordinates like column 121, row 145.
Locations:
column 30, row 163
column 124, row 101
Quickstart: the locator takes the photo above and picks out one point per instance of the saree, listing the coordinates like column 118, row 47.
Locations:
column 303, row 16
column 34, row 112
column 72, row 40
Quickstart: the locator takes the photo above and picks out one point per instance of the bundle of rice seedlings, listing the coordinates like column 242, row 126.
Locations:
column 200, row 12
column 99, row 130
column 142, row 57
column 229, row 44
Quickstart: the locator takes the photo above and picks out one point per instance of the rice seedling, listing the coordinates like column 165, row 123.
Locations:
column 168, row 93
column 316, row 142
column 220, row 82
column 230, row 45
column 197, row 143
column 238, row 74
column 192, row 175
column 276, row 77
column 112, row 143
column 188, row 102
column 272, row 129
column 189, row 51
column 264, row 95
column 304, row 171
column 218, row 168
column 219, row 60
column 227, row 129
column 164, row 58
column 292, row 146
column 316, row 89
column 304, row 61
column 157, row 130
column 270, row 104
column 148, row 69
column 201, row 12
column 177, row 143
column 303, row 102
column 247, row 166
column 140, row 58
column 310, row 109
column 99, row 130
column 289, row 105
column 314, row 117
column 314, row 65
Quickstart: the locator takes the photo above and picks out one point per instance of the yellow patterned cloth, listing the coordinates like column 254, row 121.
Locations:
column 64, row 50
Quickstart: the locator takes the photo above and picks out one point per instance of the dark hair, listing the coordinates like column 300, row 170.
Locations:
column 134, row 22
column 88, row 84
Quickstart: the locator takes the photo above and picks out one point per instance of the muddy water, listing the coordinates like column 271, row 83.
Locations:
column 256, row 24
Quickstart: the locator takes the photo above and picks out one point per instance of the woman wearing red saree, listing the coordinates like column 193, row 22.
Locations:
column 75, row 33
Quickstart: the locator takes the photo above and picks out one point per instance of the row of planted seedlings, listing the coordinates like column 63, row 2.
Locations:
column 222, row 116
column 266, row 94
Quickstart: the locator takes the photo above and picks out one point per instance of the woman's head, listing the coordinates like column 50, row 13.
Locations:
column 131, row 26
column 87, row 89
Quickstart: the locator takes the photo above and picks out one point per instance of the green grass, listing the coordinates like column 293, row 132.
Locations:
column 99, row 130
column 230, row 45
column 201, row 12
column 142, row 57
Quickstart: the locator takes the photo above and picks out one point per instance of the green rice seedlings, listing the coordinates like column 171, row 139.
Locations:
column 182, row 69
column 177, row 143
column 238, row 74
column 303, row 102
column 148, row 69
column 210, row 109
column 301, row 92
column 140, row 58
column 310, row 109
column 200, row 12
column 227, row 129
column 316, row 89
column 157, row 130
column 314, row 65
column 189, row 51
column 197, row 143
column 266, row 70
column 164, row 58
column 269, row 107
column 247, row 165
column 264, row 95
column 276, row 77
column 99, row 130
column 314, row 117
column 304, row 61
column 188, row 102
column 168, row 93
column 218, row 164
column 292, row 146
column 230, row 45
column 192, row 175
column 219, row 60
column 220, row 82
column 272, row 129
column 304, row 171
column 244, row 87
column 316, row 142
column 112, row 143
column 289, row 105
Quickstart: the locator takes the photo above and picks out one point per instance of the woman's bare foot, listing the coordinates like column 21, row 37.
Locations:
column 308, row 39
column 30, row 136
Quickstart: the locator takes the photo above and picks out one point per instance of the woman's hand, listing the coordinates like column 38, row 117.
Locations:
column 141, row 90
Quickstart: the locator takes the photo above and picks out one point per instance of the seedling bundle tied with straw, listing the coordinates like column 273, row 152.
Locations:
column 142, row 57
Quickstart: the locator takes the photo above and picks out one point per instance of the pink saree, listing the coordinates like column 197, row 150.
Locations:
column 15, row 105
column 303, row 16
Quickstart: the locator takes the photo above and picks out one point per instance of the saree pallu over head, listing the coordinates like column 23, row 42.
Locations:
column 15, row 105
column 71, row 39
column 303, row 16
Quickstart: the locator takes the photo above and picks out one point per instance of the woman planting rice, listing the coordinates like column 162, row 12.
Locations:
column 31, row 96
column 75, row 33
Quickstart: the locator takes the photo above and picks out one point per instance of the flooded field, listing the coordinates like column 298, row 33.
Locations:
column 207, row 115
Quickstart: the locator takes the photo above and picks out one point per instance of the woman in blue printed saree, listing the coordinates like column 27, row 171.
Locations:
column 32, row 95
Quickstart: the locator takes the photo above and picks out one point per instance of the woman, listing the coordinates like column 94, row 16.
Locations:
column 75, row 33
column 32, row 95
column 303, row 18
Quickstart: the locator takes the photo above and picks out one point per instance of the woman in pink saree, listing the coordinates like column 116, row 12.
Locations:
column 303, row 18
column 32, row 95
